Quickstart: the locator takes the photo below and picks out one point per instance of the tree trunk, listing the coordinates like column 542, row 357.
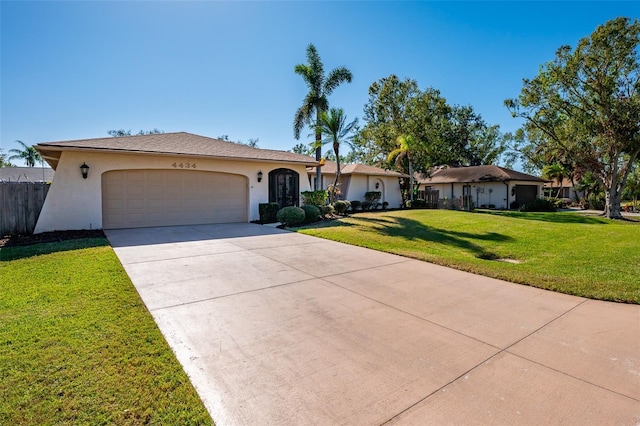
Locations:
column 335, row 181
column 612, row 197
column 318, row 184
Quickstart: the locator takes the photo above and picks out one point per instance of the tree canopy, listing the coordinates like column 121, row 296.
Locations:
column 582, row 110
column 3, row 159
column 398, row 112
column 122, row 132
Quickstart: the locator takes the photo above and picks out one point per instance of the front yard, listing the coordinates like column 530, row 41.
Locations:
column 78, row 346
column 565, row 252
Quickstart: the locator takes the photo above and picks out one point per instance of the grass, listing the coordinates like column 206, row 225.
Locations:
column 566, row 252
column 78, row 346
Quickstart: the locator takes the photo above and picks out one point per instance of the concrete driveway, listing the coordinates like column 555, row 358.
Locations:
column 275, row 327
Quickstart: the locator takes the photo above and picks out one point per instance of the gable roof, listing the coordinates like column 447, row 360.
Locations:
column 180, row 143
column 26, row 174
column 468, row 174
column 330, row 168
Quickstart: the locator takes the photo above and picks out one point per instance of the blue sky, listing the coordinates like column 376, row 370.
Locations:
column 74, row 70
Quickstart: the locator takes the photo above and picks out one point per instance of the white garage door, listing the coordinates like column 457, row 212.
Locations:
column 139, row 198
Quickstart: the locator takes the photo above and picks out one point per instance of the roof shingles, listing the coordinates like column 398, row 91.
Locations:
column 489, row 173
column 181, row 144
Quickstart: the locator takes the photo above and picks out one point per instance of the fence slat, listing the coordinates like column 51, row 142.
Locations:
column 20, row 206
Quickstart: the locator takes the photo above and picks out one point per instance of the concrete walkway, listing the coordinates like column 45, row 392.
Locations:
column 275, row 327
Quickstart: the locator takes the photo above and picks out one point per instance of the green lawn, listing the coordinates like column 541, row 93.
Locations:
column 566, row 252
column 78, row 346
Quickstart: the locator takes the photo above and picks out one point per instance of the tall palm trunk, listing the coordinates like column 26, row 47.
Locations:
column 336, row 150
column 318, row 185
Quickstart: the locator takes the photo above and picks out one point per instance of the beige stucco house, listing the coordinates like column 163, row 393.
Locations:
column 165, row 179
column 357, row 179
column 485, row 186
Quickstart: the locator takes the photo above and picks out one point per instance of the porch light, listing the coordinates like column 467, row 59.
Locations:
column 260, row 176
column 377, row 185
column 84, row 169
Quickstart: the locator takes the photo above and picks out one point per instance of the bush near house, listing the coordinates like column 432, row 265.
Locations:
column 355, row 205
column 291, row 216
column 315, row 198
column 326, row 210
column 373, row 196
column 340, row 207
column 268, row 212
column 312, row 213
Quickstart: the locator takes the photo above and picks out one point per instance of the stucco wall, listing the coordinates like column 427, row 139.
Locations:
column 76, row 203
column 389, row 186
column 354, row 186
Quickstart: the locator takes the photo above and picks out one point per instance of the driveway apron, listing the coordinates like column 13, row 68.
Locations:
column 275, row 327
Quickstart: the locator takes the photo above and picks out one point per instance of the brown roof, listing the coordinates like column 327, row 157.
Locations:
column 476, row 174
column 330, row 168
column 566, row 183
column 172, row 143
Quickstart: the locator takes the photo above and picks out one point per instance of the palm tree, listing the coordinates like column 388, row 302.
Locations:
column 555, row 172
column 315, row 103
column 404, row 152
column 334, row 124
column 28, row 154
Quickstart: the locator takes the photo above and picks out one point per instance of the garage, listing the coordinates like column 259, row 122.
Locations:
column 526, row 193
column 143, row 198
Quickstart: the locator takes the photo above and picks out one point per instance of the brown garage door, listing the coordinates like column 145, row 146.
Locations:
column 139, row 198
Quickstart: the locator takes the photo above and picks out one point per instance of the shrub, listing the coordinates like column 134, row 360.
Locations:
column 268, row 212
column 348, row 203
column 372, row 196
column 326, row 210
column 340, row 207
column 514, row 205
column 366, row 205
column 385, row 204
column 419, row 203
column 596, row 201
column 315, row 198
column 291, row 216
column 539, row 205
column 311, row 213
column 355, row 205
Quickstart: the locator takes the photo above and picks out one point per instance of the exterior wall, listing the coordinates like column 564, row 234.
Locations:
column 500, row 194
column 388, row 185
column 76, row 203
column 354, row 186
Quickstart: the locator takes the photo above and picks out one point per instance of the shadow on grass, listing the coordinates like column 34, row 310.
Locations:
column 410, row 229
column 22, row 252
column 559, row 217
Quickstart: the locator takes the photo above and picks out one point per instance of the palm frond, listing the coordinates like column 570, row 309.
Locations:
column 335, row 78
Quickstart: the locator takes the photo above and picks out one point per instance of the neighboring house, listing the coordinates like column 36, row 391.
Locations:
column 484, row 186
column 562, row 189
column 165, row 179
column 357, row 179
column 26, row 174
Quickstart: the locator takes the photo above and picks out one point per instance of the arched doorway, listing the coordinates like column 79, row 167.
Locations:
column 284, row 187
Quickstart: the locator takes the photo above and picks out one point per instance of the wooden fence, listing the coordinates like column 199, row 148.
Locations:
column 20, row 205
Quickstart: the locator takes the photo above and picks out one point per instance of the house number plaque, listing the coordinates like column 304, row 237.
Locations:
column 184, row 165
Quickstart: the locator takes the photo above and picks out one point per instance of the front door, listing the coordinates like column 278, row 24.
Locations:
column 284, row 187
